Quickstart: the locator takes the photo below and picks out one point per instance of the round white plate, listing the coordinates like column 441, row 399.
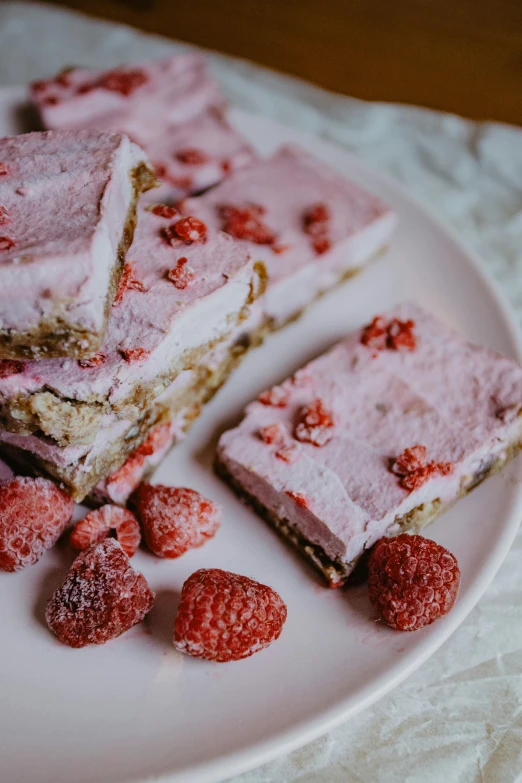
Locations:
column 135, row 708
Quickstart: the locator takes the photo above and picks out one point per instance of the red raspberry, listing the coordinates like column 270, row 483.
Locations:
column 226, row 166
column 97, row 525
column 134, row 354
column 298, row 498
column 94, row 361
column 10, row 367
column 413, row 469
column 273, row 433
column 181, row 275
column 101, row 598
column 280, row 249
column 374, row 335
column 189, row 229
column 4, row 170
column 277, row 397
column 33, row 515
column 413, row 581
column 321, row 244
column 315, row 218
column 4, row 216
column 124, row 82
column 6, row 243
column 164, row 211
column 225, row 617
column 175, row 519
column 410, row 460
column 401, row 335
column 192, row 157
column 125, row 480
column 316, row 425
column 127, row 280
column 245, row 223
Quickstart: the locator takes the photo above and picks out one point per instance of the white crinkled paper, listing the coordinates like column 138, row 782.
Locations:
column 459, row 718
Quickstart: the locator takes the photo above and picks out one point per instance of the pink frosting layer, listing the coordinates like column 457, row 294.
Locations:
column 286, row 187
column 64, row 198
column 171, row 107
column 458, row 400
column 154, row 315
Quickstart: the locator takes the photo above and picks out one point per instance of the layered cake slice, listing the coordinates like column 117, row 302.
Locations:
column 379, row 435
column 171, row 107
column 311, row 226
column 67, row 217
column 185, row 288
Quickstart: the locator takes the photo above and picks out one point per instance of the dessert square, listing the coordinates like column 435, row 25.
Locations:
column 379, row 435
column 172, row 108
column 184, row 289
column 67, row 217
column 310, row 226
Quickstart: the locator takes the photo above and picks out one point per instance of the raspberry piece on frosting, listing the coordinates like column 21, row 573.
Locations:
column 273, row 433
column 4, row 216
column 127, row 280
column 33, row 515
column 164, row 211
column 414, row 470
column 225, row 617
column 182, row 274
column 316, row 424
column 101, row 598
column 10, row 367
column 134, row 354
column 95, row 361
column 192, row 157
column 175, row 519
column 98, row 524
column 413, row 581
column 246, row 223
column 396, row 335
column 277, row 397
column 6, row 243
column 188, row 229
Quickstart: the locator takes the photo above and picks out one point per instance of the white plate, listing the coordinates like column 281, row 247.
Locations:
column 136, row 708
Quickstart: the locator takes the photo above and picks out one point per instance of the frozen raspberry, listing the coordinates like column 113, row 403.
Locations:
column 316, row 425
column 127, row 280
column 288, row 454
column 374, row 335
column 413, row 581
column 10, row 367
column 122, row 81
column 273, row 433
column 181, row 275
column 164, row 211
column 225, row 617
column 298, row 498
column 4, row 216
column 401, row 335
column 94, row 361
column 101, row 598
column 246, row 223
column 6, row 243
column 98, row 524
column 277, row 397
column 175, row 519
column 188, row 229
column 134, row 354
column 124, row 481
column 413, row 469
column 183, row 183
column 192, row 157
column 33, row 515
column 4, row 170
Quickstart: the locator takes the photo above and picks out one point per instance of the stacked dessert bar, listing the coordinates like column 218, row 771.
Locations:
column 192, row 297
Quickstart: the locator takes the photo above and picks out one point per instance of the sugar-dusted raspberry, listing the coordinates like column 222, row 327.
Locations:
column 246, row 223
column 9, row 367
column 98, row 524
column 4, row 216
column 410, row 460
column 277, row 397
column 273, row 433
column 298, row 498
column 413, row 469
column 225, row 617
column 93, row 361
column 33, row 515
column 401, row 335
column 122, row 81
column 101, row 598
column 315, row 218
column 413, row 581
column 127, row 280
column 288, row 454
column 4, row 170
column 192, row 157
column 182, row 274
column 6, row 243
column 374, row 335
column 134, row 354
column 316, row 424
column 175, row 519
column 188, row 229
column 124, row 481
column 164, row 211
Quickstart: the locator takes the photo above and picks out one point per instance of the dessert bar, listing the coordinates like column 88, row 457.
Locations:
column 67, row 218
column 379, row 435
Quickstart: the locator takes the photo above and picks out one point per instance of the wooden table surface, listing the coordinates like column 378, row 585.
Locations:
column 463, row 56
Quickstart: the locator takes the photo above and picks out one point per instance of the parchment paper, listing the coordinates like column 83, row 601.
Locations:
column 459, row 718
